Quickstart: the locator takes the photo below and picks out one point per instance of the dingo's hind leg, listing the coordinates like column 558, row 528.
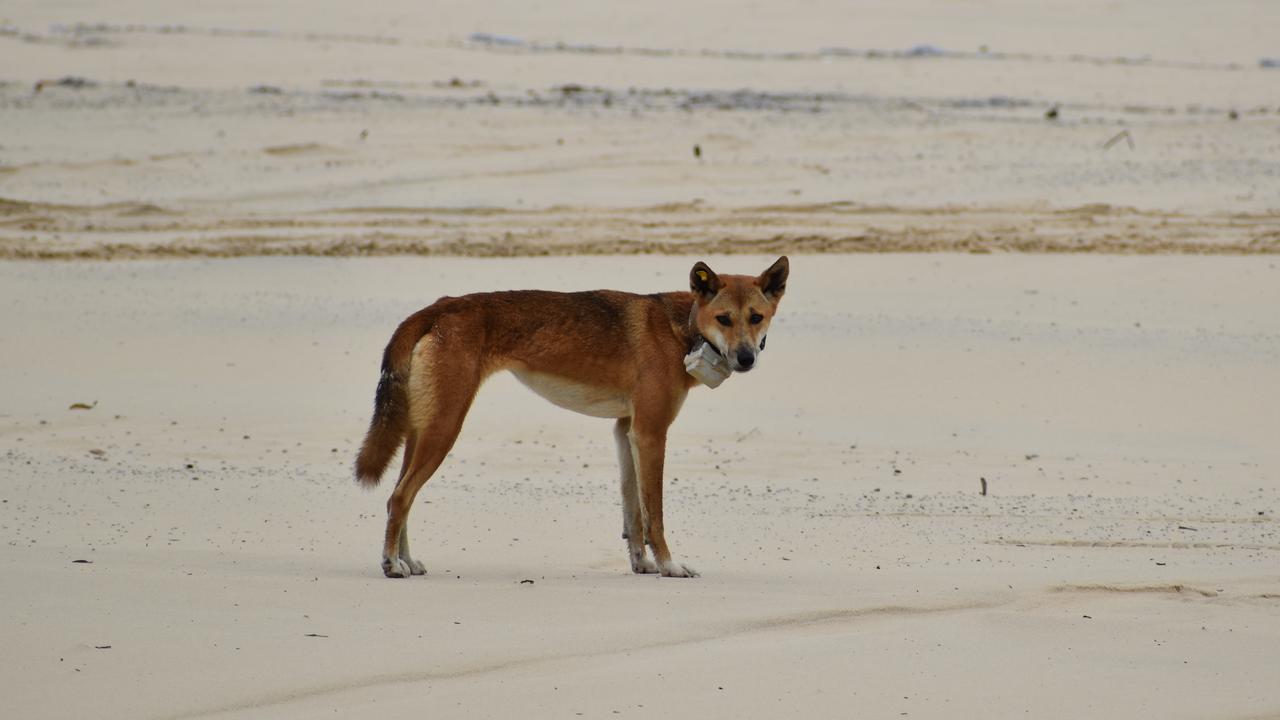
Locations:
column 415, row 567
column 429, row 451
column 441, row 389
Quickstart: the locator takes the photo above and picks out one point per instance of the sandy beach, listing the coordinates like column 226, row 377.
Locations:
column 1034, row 249
column 1122, row 414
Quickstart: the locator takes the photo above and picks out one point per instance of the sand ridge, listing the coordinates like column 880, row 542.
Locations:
column 130, row 230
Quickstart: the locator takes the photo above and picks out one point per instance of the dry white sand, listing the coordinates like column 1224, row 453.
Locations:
column 1123, row 410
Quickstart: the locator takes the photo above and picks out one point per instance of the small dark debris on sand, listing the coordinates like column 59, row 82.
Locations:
column 69, row 81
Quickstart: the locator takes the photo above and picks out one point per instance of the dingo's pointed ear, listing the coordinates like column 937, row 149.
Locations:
column 773, row 282
column 704, row 281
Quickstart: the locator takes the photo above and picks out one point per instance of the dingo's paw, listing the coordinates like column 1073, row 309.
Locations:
column 415, row 566
column 643, row 565
column 675, row 569
column 395, row 568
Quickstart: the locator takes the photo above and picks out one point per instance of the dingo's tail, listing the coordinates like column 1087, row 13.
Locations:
column 391, row 401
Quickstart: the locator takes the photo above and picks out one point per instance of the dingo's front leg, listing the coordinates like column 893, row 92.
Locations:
column 649, row 446
column 632, row 518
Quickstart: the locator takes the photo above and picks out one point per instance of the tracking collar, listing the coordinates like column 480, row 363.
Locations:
column 705, row 363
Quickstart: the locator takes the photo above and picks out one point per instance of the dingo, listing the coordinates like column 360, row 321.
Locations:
column 602, row 353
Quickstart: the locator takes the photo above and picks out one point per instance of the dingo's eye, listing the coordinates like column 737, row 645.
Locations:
column 724, row 320
column 756, row 318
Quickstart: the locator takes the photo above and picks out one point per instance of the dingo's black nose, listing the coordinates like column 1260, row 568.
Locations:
column 746, row 359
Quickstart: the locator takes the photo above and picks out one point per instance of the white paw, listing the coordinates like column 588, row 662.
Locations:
column 415, row 566
column 675, row 569
column 395, row 568
column 643, row 566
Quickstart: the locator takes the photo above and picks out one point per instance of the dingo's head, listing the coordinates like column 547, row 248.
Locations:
column 733, row 311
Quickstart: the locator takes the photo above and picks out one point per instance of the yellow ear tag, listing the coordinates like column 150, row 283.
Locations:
column 702, row 275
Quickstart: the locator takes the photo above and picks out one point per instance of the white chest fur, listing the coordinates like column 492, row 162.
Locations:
column 585, row 399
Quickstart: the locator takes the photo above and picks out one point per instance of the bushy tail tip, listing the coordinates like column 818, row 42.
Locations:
column 386, row 430
column 391, row 401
